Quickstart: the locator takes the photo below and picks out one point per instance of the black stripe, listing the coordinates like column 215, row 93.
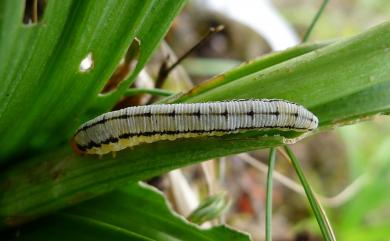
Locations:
column 153, row 133
column 125, row 116
column 251, row 114
column 173, row 114
column 198, row 114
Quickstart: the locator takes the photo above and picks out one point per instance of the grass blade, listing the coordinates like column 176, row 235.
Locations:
column 268, row 202
column 314, row 21
column 319, row 213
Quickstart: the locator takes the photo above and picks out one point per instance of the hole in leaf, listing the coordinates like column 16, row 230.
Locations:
column 125, row 68
column 87, row 63
column 33, row 11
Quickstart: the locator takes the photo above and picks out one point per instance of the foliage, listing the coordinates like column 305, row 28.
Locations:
column 366, row 216
column 45, row 96
column 136, row 212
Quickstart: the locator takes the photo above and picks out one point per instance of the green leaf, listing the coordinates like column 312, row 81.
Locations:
column 43, row 78
column 249, row 68
column 136, row 212
column 365, row 216
column 345, row 80
column 150, row 35
column 43, row 92
column 57, row 180
column 318, row 211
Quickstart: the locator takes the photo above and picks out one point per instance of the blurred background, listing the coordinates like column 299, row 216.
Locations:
column 348, row 167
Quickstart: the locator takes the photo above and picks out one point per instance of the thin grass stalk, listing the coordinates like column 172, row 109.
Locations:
column 268, row 202
column 319, row 213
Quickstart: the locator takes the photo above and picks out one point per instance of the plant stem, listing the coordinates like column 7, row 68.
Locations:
column 314, row 21
column 319, row 213
column 268, row 202
column 165, row 70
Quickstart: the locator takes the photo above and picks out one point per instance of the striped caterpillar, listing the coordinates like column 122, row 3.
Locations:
column 114, row 131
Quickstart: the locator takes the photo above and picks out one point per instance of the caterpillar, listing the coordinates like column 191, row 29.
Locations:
column 114, row 131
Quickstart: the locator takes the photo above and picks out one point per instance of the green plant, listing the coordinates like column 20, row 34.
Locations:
column 45, row 96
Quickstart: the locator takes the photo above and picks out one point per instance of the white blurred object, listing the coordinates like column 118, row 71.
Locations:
column 185, row 198
column 259, row 15
column 87, row 63
column 144, row 80
column 208, row 168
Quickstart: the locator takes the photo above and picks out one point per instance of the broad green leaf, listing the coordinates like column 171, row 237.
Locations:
column 60, row 179
column 136, row 212
column 43, row 92
column 344, row 80
column 249, row 68
column 70, row 227
column 152, row 32
column 42, row 85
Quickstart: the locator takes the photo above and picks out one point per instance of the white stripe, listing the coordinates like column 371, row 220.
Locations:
column 207, row 117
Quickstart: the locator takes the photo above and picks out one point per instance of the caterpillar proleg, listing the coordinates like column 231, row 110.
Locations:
column 114, row 131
